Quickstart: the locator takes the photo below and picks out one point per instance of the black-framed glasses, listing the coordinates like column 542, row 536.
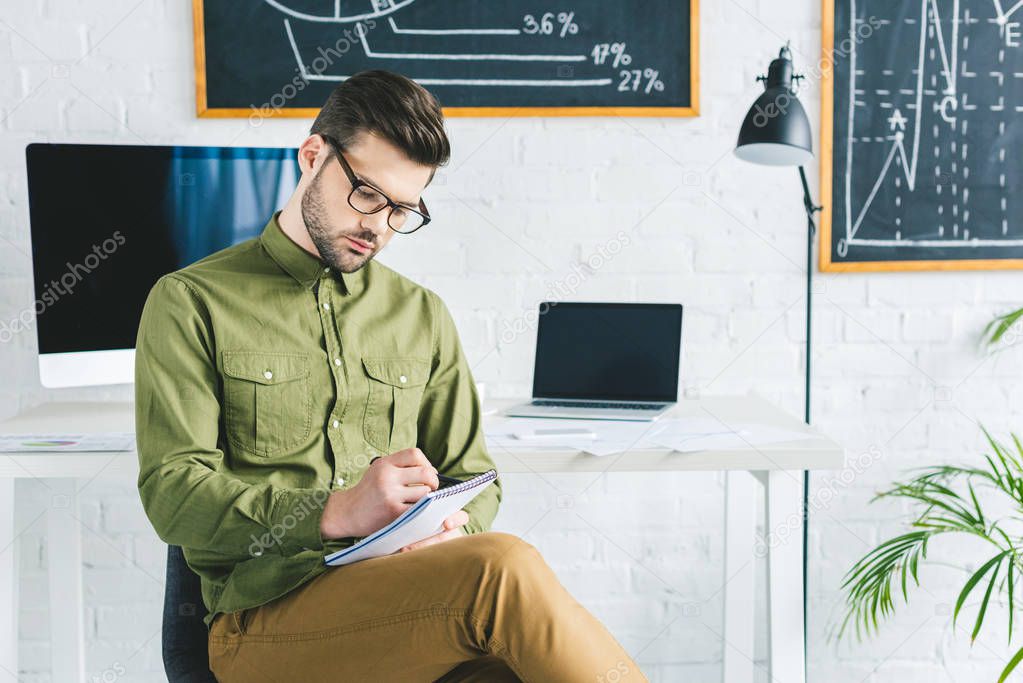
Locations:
column 367, row 199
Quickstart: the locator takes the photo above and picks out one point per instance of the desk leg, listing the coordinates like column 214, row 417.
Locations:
column 784, row 528
column 64, row 553
column 739, row 576
column 8, row 584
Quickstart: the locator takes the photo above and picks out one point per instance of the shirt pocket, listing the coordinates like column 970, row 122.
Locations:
column 266, row 397
column 396, row 388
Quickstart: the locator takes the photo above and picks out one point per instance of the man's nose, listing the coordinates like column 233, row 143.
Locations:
column 376, row 222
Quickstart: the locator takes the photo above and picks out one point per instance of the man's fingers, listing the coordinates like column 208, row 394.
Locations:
column 456, row 520
column 411, row 494
column 418, row 475
column 408, row 457
column 430, row 540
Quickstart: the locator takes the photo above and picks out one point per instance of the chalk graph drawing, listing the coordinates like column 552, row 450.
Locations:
column 383, row 36
column 922, row 116
column 384, row 11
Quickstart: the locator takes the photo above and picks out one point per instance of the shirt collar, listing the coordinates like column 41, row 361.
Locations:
column 305, row 268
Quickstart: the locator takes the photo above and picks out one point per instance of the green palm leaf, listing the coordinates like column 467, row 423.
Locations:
column 947, row 499
column 1011, row 665
column 996, row 329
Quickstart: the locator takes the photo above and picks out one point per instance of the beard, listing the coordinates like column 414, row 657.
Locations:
column 329, row 242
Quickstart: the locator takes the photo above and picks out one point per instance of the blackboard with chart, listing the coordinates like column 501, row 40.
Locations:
column 922, row 120
column 261, row 58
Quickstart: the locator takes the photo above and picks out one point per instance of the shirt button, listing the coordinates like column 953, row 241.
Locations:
column 337, row 361
column 340, row 481
column 326, row 306
column 257, row 553
column 326, row 270
column 403, row 379
column 335, row 424
column 268, row 374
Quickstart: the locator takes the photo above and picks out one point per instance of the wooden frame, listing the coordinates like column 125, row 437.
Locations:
column 827, row 190
column 204, row 111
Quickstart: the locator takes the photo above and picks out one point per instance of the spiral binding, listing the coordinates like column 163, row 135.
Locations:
column 466, row 485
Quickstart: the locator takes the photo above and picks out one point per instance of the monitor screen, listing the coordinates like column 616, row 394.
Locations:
column 600, row 351
column 108, row 220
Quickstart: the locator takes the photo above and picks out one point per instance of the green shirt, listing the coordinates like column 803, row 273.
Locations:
column 264, row 381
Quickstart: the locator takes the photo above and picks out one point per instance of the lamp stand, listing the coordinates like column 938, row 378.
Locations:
column 811, row 231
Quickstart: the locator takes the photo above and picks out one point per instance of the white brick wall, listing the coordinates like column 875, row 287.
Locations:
column 895, row 359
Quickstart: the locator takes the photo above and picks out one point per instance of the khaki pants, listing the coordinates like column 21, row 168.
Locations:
column 484, row 607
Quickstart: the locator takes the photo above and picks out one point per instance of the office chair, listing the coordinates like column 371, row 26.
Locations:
column 185, row 653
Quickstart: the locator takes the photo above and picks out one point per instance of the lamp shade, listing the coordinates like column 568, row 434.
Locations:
column 776, row 130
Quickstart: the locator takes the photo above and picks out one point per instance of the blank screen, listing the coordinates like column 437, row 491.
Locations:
column 625, row 352
column 109, row 220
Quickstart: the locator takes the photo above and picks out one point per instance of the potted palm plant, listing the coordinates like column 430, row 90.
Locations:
column 945, row 500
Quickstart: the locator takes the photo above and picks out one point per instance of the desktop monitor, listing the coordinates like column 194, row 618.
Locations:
column 107, row 221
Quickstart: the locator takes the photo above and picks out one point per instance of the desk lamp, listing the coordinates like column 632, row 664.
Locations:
column 776, row 132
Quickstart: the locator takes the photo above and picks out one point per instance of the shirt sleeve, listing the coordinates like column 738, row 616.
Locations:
column 189, row 501
column 451, row 421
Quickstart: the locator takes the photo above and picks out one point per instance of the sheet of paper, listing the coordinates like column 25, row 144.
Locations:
column 613, row 436
column 684, row 434
column 113, row 441
column 742, row 437
column 691, row 426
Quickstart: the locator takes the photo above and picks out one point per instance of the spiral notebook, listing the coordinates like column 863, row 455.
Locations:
column 424, row 518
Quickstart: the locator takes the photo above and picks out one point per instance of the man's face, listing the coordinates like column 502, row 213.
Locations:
column 345, row 238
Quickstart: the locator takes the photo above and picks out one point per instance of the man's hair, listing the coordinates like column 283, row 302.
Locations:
column 392, row 106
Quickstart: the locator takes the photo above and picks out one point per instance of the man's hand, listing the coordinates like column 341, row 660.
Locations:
column 452, row 529
column 391, row 484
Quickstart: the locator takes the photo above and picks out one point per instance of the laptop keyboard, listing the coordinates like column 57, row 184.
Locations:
column 591, row 404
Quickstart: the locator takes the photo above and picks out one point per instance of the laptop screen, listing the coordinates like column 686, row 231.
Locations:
column 613, row 352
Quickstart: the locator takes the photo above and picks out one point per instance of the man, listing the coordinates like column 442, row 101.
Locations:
column 293, row 395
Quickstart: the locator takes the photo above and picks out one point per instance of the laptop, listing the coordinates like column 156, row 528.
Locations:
column 605, row 361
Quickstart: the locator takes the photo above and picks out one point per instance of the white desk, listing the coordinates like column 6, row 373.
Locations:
column 776, row 467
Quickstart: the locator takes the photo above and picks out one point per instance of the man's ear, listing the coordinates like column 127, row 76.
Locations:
column 312, row 149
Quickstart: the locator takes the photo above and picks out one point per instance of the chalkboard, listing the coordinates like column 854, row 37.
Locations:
column 261, row 58
column 921, row 131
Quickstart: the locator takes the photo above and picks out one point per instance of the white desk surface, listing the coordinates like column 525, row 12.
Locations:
column 814, row 453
